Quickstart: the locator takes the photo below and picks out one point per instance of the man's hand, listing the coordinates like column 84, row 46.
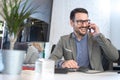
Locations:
column 70, row 64
column 94, row 28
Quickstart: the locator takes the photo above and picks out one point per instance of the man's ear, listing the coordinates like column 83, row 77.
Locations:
column 72, row 23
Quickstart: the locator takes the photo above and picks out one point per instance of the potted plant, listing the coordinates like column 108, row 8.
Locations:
column 14, row 15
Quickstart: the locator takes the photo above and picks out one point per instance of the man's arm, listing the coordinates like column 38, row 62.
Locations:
column 110, row 51
column 59, row 52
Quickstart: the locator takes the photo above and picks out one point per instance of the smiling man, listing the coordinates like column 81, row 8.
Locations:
column 85, row 46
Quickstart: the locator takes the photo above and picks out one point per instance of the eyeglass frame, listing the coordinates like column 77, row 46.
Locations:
column 80, row 22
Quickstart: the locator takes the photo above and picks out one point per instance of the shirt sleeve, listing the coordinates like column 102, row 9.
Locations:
column 59, row 64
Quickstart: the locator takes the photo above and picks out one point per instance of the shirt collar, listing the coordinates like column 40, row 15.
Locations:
column 75, row 37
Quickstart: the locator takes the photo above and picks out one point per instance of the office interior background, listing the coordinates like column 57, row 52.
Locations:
column 105, row 13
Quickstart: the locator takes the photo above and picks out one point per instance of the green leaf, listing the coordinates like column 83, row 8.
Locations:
column 15, row 17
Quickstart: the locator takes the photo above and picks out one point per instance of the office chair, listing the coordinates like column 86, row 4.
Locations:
column 53, row 46
column 118, row 62
column 107, row 64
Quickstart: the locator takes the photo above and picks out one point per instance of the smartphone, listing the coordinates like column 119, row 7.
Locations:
column 89, row 28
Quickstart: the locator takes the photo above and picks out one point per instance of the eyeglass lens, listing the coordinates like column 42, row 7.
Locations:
column 83, row 21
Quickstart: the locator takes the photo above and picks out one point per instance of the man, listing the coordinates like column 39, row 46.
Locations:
column 83, row 47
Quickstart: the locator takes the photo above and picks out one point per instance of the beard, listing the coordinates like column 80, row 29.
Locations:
column 79, row 31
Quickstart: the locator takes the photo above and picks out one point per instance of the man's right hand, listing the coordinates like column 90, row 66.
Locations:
column 70, row 64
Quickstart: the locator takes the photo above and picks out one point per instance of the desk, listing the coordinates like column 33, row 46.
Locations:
column 31, row 75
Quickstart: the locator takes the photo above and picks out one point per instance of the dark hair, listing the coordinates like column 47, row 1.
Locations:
column 77, row 10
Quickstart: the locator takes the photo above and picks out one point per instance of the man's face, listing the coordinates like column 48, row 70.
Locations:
column 80, row 24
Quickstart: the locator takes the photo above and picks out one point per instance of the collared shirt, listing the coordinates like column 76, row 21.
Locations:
column 82, row 51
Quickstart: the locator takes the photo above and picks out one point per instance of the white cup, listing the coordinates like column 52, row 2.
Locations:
column 45, row 66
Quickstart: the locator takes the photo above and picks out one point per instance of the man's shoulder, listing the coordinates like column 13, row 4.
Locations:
column 66, row 36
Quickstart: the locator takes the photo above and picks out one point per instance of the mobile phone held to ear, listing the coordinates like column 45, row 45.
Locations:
column 89, row 29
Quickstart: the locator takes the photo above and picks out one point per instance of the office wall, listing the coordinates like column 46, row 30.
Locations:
column 99, row 13
column 115, row 23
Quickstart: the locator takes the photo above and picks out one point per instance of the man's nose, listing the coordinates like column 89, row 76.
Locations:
column 84, row 24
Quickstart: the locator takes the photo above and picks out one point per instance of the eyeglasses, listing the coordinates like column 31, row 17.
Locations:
column 80, row 22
